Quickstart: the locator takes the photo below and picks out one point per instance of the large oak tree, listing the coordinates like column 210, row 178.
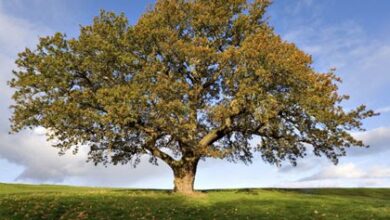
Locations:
column 191, row 79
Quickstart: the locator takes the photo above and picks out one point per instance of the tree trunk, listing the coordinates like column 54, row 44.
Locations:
column 185, row 176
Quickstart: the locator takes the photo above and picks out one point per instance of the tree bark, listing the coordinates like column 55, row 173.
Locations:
column 184, row 176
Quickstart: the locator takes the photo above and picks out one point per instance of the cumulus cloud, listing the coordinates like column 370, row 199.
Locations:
column 349, row 171
column 15, row 35
column 42, row 163
column 383, row 109
column 343, row 175
column 378, row 139
column 334, row 172
column 314, row 168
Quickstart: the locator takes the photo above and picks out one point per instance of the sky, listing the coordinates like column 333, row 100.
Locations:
column 352, row 36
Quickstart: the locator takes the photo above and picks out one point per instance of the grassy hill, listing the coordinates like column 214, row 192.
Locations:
column 63, row 202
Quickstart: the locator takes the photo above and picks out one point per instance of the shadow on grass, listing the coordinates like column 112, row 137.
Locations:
column 143, row 191
column 376, row 193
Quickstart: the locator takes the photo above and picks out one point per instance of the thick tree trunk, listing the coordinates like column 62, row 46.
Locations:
column 185, row 176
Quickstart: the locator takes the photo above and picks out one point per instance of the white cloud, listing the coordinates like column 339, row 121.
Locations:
column 383, row 109
column 42, row 163
column 315, row 169
column 349, row 171
column 378, row 172
column 40, row 131
column 378, row 139
column 334, row 172
column 17, row 33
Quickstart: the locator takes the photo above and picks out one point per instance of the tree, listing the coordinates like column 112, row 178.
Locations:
column 191, row 79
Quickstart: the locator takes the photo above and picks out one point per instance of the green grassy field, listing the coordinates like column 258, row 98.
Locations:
column 63, row 202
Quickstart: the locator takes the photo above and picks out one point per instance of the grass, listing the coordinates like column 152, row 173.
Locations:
column 64, row 202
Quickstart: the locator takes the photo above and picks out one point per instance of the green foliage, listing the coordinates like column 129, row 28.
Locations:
column 197, row 78
column 61, row 202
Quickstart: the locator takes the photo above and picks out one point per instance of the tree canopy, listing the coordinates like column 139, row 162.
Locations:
column 191, row 79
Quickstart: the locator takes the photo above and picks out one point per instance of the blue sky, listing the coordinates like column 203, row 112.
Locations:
column 351, row 35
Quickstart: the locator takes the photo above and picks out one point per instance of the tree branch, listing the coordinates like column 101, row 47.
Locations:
column 214, row 136
column 155, row 151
